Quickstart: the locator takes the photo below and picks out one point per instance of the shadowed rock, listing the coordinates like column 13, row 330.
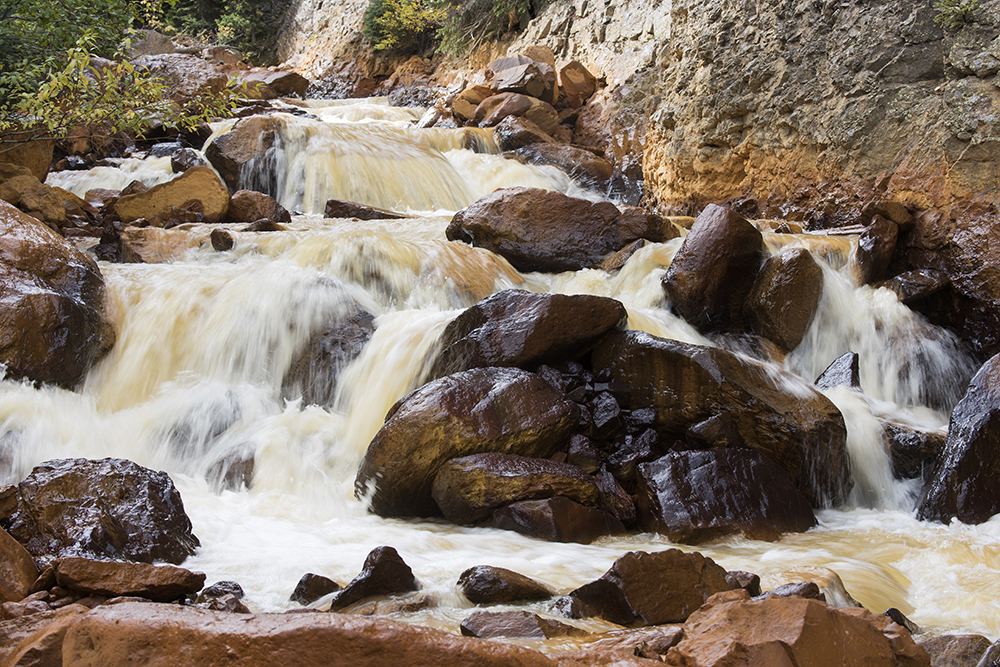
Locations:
column 785, row 296
column 384, row 573
column 312, row 587
column 160, row 583
column 556, row 519
column 488, row 585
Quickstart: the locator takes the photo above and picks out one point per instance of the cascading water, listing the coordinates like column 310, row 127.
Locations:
column 195, row 380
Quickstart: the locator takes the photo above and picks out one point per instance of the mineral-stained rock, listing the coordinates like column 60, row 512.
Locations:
column 504, row 410
column 712, row 274
column 488, row 585
column 556, row 519
column 468, row 489
column 651, row 588
column 518, row 328
column 384, row 573
column 785, row 296
column 17, row 569
column 842, row 372
column 246, row 145
column 250, row 206
column 517, row 623
column 312, row 587
column 800, row 430
column 955, row 650
column 52, row 318
column 793, row 631
column 160, row 583
column 108, row 508
column 966, row 479
column 701, row 495
column 576, row 233
column 198, row 189
column 875, row 247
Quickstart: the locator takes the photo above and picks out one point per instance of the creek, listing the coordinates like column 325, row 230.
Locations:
column 204, row 343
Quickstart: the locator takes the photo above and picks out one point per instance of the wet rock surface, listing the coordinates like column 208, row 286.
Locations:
column 785, row 297
column 338, row 208
column 251, row 206
column 488, row 585
column 160, row 583
column 108, row 508
column 312, row 587
column 383, row 573
column 842, row 372
column 248, row 144
column 523, row 624
column 197, row 195
column 955, row 650
column 17, row 569
column 556, row 519
column 581, row 164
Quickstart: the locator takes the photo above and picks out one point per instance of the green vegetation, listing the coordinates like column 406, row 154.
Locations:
column 248, row 25
column 955, row 14
column 404, row 25
column 472, row 22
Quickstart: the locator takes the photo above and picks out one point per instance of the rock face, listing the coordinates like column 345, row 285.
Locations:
column 109, row 508
column 198, row 190
column 53, row 326
column 518, row 328
column 503, row 410
column 160, row 583
column 966, row 479
column 697, row 496
column 485, row 584
column 801, row 431
column 651, row 588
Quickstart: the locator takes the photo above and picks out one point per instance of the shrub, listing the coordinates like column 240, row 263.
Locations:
column 403, row 25
column 955, row 14
column 472, row 22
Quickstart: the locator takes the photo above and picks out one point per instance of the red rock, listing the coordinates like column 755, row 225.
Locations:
column 518, row 623
column 37, row 640
column 577, row 83
column 160, row 583
column 514, row 132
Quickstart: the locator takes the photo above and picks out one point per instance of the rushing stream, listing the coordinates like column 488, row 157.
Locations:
column 203, row 345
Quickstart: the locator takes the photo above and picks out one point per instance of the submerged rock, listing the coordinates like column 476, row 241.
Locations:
column 108, row 508
column 488, row 585
column 338, row 208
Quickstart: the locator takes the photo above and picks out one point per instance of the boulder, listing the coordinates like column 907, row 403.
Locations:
column 285, row 84
column 186, row 77
column 514, row 132
column 777, row 414
column 576, row 233
column 468, row 489
column 248, row 142
column 197, row 190
column 577, row 83
column 648, row 643
column 917, row 284
column 523, row 329
column 38, row 200
column 160, row 583
column 494, row 109
column 384, row 573
column 785, row 297
column 36, row 639
column 465, row 103
column 711, row 276
column 34, row 154
column 526, row 79
column 966, row 480
column 338, row 208
column 184, row 159
column 914, row 451
column 250, row 206
column 697, row 496
column 557, row 519
column 517, row 623
column 583, row 166
column 17, row 569
column 644, row 588
column 312, row 587
column 53, row 325
column 504, row 410
column 108, row 508
column 955, row 650
column 793, row 631
column 488, row 585
column 843, row 371
column 875, row 246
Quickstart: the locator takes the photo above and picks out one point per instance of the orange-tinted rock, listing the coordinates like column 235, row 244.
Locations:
column 17, row 569
column 250, row 206
column 37, row 639
column 503, row 410
column 785, row 296
column 198, row 189
column 875, row 247
column 494, row 109
column 582, row 165
column 712, row 274
column 517, row 623
column 651, row 588
column 53, row 326
column 577, row 83
column 800, row 430
column 642, row 642
column 384, row 573
column 35, row 198
column 556, row 519
column 514, row 132
column 249, row 139
column 34, row 155
column 524, row 329
column 698, row 496
column 488, row 585
column 465, row 103
column 160, row 583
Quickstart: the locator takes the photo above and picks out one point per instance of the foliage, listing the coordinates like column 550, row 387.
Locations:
column 472, row 22
column 955, row 14
column 405, row 25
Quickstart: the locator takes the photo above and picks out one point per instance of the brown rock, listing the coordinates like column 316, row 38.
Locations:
column 955, row 650
column 522, row 624
column 514, row 132
column 37, row 640
column 699, row 496
column 34, row 154
column 503, row 410
column 577, row 83
column 17, row 569
column 222, row 240
column 801, row 431
column 875, row 247
column 642, row 642
column 53, row 326
column 582, row 165
column 35, row 198
column 249, row 139
column 712, row 274
column 494, row 109
column 793, row 631
column 577, row 233
column 842, row 372
column 556, row 519
column 337, row 208
column 184, row 159
column 312, row 587
column 890, row 210
column 488, row 585
column 518, row 328
column 620, row 258
column 160, row 583
column 384, row 573
column 250, row 206
column 465, row 103
column 914, row 285
column 914, row 451
column 717, row 431
column 285, row 84
column 966, row 480
column 785, row 296
column 651, row 588
column 109, row 508
column 525, row 79
column 197, row 189
column 468, row 489
column 186, row 77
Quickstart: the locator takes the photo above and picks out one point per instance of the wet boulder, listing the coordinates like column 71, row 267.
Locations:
column 312, row 587
column 582, row 165
column 917, row 284
column 955, row 650
column 186, row 77
column 488, row 585
column 785, row 296
column 160, row 583
column 543, row 230
column 35, row 198
column 844, row 371
column 516, row 623
column 513, row 132
column 184, row 159
column 198, row 190
column 914, row 451
column 250, row 206
column 711, row 276
column 556, row 519
column 697, row 496
column 523, row 329
column 966, row 480
column 777, row 414
column 104, row 509
column 468, row 489
column 875, row 246
column 247, row 145
column 53, row 325
column 383, row 573
column 338, row 208
column 644, row 588
column 17, row 569
column 494, row 109
column 503, row 410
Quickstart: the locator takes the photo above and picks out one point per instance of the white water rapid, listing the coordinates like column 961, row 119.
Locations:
column 204, row 342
